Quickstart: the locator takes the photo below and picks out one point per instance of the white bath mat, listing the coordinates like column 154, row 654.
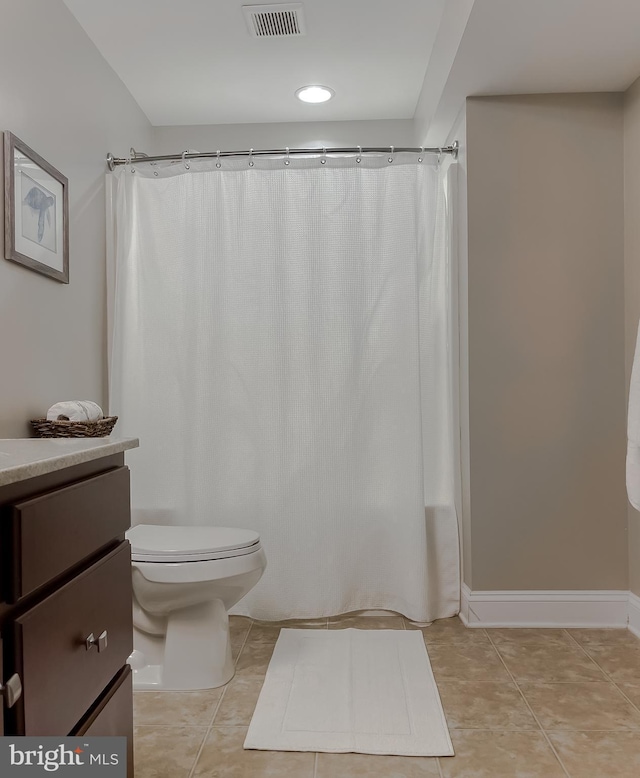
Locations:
column 367, row 691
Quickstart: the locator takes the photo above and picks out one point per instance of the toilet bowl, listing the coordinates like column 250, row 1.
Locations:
column 185, row 579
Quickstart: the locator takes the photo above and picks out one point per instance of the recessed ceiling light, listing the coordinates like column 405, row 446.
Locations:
column 314, row 94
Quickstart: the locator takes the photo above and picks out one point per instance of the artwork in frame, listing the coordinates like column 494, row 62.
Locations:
column 36, row 211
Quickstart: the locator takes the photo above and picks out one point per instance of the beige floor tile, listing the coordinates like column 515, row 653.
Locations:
column 238, row 703
column 598, row 754
column 295, row 623
column 605, row 637
column 374, row 766
column 262, row 634
column 166, row 751
column 632, row 690
column 254, row 659
column 501, row 755
column 484, row 705
column 268, row 631
column 449, row 631
column 580, row 706
column 175, row 709
column 238, row 630
column 224, row 757
column 622, row 663
column 351, row 621
column 239, row 624
column 531, row 636
column 549, row 663
column 236, row 646
column 475, row 662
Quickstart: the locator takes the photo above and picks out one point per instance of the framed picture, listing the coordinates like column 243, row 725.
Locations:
column 36, row 211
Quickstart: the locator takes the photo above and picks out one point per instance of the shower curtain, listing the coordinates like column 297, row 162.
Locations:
column 281, row 347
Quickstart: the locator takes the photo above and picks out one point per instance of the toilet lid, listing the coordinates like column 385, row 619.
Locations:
column 154, row 543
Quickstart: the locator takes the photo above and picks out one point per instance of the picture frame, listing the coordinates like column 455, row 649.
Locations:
column 36, row 211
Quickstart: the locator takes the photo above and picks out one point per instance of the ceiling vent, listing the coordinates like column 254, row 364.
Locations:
column 274, row 21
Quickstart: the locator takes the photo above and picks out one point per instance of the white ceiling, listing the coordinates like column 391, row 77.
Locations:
column 536, row 46
column 194, row 62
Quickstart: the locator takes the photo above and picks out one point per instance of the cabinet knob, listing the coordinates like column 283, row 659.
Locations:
column 100, row 642
column 11, row 691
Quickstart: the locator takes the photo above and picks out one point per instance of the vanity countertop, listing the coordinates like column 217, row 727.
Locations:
column 22, row 458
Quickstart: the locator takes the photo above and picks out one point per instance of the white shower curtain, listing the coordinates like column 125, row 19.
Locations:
column 280, row 346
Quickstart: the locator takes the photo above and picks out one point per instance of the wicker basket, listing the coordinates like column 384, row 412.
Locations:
column 74, row 429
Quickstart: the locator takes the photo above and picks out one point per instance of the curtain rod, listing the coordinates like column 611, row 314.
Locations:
column 136, row 156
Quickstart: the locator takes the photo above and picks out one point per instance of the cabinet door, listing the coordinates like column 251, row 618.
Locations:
column 11, row 692
column 62, row 672
column 113, row 715
column 2, row 678
column 55, row 531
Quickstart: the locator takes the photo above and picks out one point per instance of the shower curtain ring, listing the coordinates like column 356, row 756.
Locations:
column 218, row 158
column 359, row 157
column 323, row 161
column 439, row 156
column 421, row 153
column 392, row 150
column 250, row 157
column 286, row 162
column 184, row 162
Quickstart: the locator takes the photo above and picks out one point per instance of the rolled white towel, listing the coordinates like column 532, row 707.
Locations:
column 75, row 410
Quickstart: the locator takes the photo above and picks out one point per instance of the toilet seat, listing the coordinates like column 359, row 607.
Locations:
column 185, row 580
column 161, row 544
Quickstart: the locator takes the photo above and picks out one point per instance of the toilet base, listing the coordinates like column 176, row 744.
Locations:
column 195, row 652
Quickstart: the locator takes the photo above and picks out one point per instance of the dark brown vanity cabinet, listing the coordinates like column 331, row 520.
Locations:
column 65, row 616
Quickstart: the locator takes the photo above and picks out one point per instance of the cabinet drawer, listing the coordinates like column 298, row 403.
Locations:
column 58, row 529
column 113, row 715
column 61, row 677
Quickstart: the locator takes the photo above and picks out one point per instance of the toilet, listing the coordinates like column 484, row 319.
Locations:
column 185, row 580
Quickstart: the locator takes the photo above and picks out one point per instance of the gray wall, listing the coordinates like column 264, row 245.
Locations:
column 169, row 140
column 546, row 352
column 632, row 280
column 59, row 96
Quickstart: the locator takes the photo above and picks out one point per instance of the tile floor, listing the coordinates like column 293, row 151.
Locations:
column 520, row 703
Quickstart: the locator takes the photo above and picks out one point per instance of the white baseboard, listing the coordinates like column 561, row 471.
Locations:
column 634, row 614
column 548, row 609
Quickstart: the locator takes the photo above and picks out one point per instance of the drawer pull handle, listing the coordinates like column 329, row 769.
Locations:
column 100, row 642
column 12, row 690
